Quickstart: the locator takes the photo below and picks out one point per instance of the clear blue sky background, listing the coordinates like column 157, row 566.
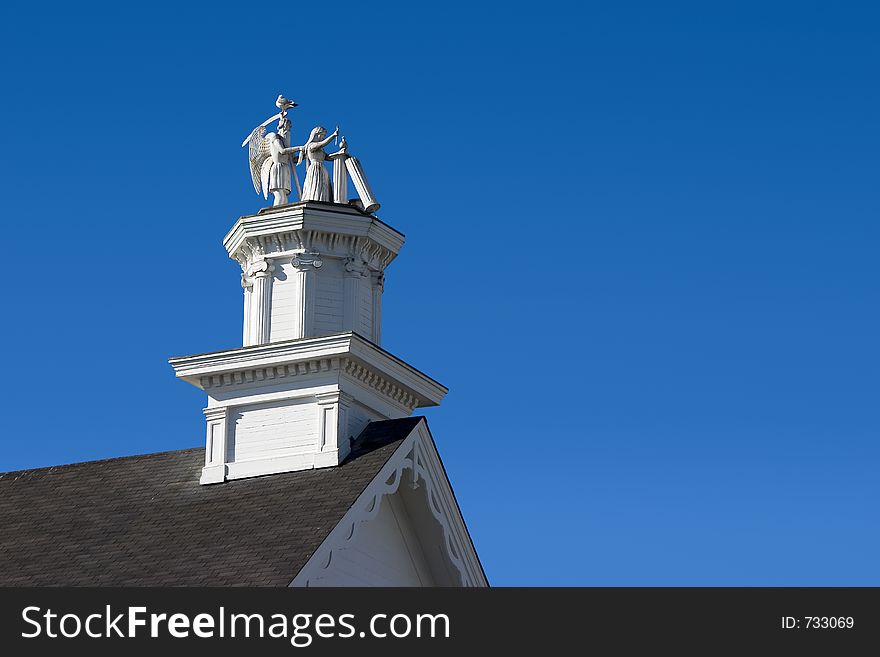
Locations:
column 641, row 252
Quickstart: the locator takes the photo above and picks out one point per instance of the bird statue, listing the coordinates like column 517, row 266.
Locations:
column 284, row 104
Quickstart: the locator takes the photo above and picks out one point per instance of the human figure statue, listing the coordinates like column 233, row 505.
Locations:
column 281, row 171
column 273, row 168
column 316, row 186
column 270, row 156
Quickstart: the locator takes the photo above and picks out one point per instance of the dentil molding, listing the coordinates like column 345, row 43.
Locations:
column 304, row 228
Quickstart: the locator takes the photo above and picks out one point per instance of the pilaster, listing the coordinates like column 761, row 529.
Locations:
column 261, row 301
column 306, row 266
column 354, row 272
column 295, row 405
column 377, row 288
column 310, row 375
column 311, row 269
column 215, row 447
column 334, row 443
column 247, row 286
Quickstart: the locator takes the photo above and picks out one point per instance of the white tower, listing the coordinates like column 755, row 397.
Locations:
column 311, row 374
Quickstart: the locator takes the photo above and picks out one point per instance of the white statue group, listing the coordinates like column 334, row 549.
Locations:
column 273, row 168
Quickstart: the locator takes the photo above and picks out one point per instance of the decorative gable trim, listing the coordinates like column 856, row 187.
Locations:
column 418, row 454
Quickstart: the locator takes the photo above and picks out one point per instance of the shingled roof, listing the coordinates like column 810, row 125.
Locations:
column 146, row 521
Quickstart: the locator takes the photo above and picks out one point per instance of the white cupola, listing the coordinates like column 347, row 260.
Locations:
column 311, row 269
column 311, row 373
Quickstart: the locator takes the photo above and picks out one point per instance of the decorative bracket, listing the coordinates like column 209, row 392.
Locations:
column 260, row 266
column 303, row 259
column 417, row 455
column 356, row 266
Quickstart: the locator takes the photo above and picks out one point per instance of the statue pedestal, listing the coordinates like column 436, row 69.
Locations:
column 310, row 375
column 311, row 269
column 297, row 405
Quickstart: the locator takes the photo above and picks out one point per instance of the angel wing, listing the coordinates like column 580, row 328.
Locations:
column 258, row 153
column 258, row 150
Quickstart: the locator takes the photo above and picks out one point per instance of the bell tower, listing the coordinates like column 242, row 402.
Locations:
column 310, row 374
column 312, row 269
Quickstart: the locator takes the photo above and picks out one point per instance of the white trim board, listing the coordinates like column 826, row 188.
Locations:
column 415, row 463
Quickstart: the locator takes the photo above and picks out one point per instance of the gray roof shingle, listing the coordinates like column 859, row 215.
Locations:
column 146, row 521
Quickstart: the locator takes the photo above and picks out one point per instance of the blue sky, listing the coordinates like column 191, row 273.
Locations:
column 641, row 253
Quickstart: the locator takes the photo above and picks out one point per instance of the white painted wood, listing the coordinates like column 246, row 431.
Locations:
column 307, row 281
column 216, row 446
column 351, row 300
column 279, row 429
column 377, row 289
column 405, row 529
column 257, row 276
column 247, row 287
column 285, row 323
column 342, row 300
column 310, row 376
column 362, row 310
column 324, row 264
column 269, row 466
column 359, row 416
column 329, row 297
column 385, row 553
column 302, row 398
column 261, row 306
column 333, row 443
column 248, row 364
column 306, row 223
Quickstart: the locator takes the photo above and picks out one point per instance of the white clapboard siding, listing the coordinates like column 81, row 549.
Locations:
column 286, row 297
column 328, row 302
column 272, row 430
column 384, row 552
column 358, row 418
column 364, row 321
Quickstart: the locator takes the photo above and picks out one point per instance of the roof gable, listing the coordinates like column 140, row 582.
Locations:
column 412, row 493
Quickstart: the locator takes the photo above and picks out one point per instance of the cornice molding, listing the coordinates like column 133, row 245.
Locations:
column 379, row 383
column 368, row 377
column 348, row 352
column 337, row 231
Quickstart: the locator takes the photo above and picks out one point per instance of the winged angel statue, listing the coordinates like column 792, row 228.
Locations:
column 273, row 168
column 270, row 156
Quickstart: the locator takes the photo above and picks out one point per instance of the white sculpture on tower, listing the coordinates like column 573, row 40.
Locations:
column 269, row 155
column 317, row 183
column 273, row 169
